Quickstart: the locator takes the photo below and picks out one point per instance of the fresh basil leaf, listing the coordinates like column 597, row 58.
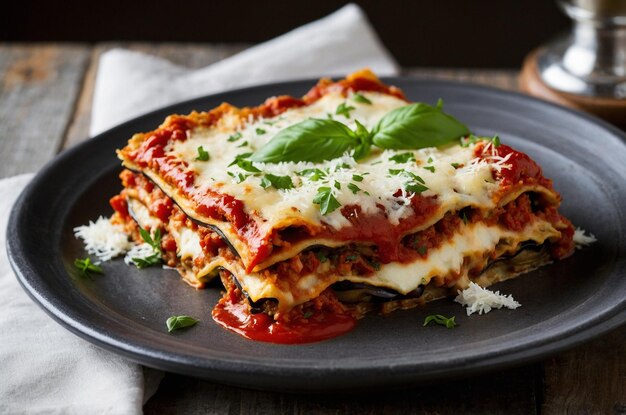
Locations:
column 179, row 322
column 356, row 97
column 364, row 145
column 417, row 126
column 203, row 155
column 279, row 182
column 313, row 140
column 326, row 200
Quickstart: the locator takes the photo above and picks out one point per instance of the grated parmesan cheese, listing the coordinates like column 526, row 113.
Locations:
column 142, row 251
column 481, row 300
column 103, row 239
column 581, row 239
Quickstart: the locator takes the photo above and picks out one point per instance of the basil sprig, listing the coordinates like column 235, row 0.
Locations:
column 413, row 126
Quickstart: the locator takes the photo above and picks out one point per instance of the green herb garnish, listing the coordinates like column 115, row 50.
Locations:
column 260, row 131
column 455, row 165
column 357, row 178
column 413, row 126
column 402, row 158
column 441, row 320
column 244, row 164
column 312, row 174
column 495, row 141
column 430, row 168
column 203, row 155
column 179, row 322
column 344, row 109
column 356, row 97
column 353, row 188
column 326, row 200
column 85, row 267
column 278, row 182
column 155, row 242
column 235, row 137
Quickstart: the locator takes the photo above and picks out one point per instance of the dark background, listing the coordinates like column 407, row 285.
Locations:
column 454, row 33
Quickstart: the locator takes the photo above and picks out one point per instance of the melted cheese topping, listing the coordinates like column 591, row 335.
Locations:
column 470, row 184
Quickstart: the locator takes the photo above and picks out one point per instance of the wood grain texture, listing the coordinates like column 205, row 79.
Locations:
column 590, row 379
column 508, row 392
column 38, row 88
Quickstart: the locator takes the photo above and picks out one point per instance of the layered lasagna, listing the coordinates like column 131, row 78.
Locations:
column 308, row 230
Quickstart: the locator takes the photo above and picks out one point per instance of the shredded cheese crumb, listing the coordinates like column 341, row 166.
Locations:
column 103, row 239
column 581, row 239
column 481, row 300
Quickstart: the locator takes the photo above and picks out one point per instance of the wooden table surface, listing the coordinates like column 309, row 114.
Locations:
column 45, row 101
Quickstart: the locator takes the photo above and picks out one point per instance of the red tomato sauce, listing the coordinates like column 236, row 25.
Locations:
column 321, row 319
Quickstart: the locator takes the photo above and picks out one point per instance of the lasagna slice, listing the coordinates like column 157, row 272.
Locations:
column 315, row 210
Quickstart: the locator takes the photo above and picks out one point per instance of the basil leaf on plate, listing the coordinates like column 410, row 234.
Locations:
column 179, row 322
column 417, row 126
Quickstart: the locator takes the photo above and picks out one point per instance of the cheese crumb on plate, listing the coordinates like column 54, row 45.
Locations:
column 481, row 300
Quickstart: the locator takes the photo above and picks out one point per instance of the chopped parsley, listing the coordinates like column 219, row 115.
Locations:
column 337, row 185
column 441, row 320
column 357, row 178
column 402, row 158
column 495, row 141
column 234, row 137
column 344, row 109
column 312, row 174
column 455, row 165
column 326, row 200
column 260, row 131
column 245, row 143
column 244, row 164
column 472, row 139
column 278, row 182
column 353, row 188
column 85, row 267
column 203, row 155
column 357, row 97
column 155, row 242
column 430, row 168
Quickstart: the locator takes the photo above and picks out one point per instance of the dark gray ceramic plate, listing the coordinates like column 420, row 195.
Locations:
column 125, row 309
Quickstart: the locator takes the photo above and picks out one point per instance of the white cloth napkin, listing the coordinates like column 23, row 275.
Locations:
column 43, row 367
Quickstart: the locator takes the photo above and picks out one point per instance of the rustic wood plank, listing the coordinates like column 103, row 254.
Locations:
column 506, row 79
column 185, row 54
column 39, row 84
column 590, row 379
column 508, row 392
